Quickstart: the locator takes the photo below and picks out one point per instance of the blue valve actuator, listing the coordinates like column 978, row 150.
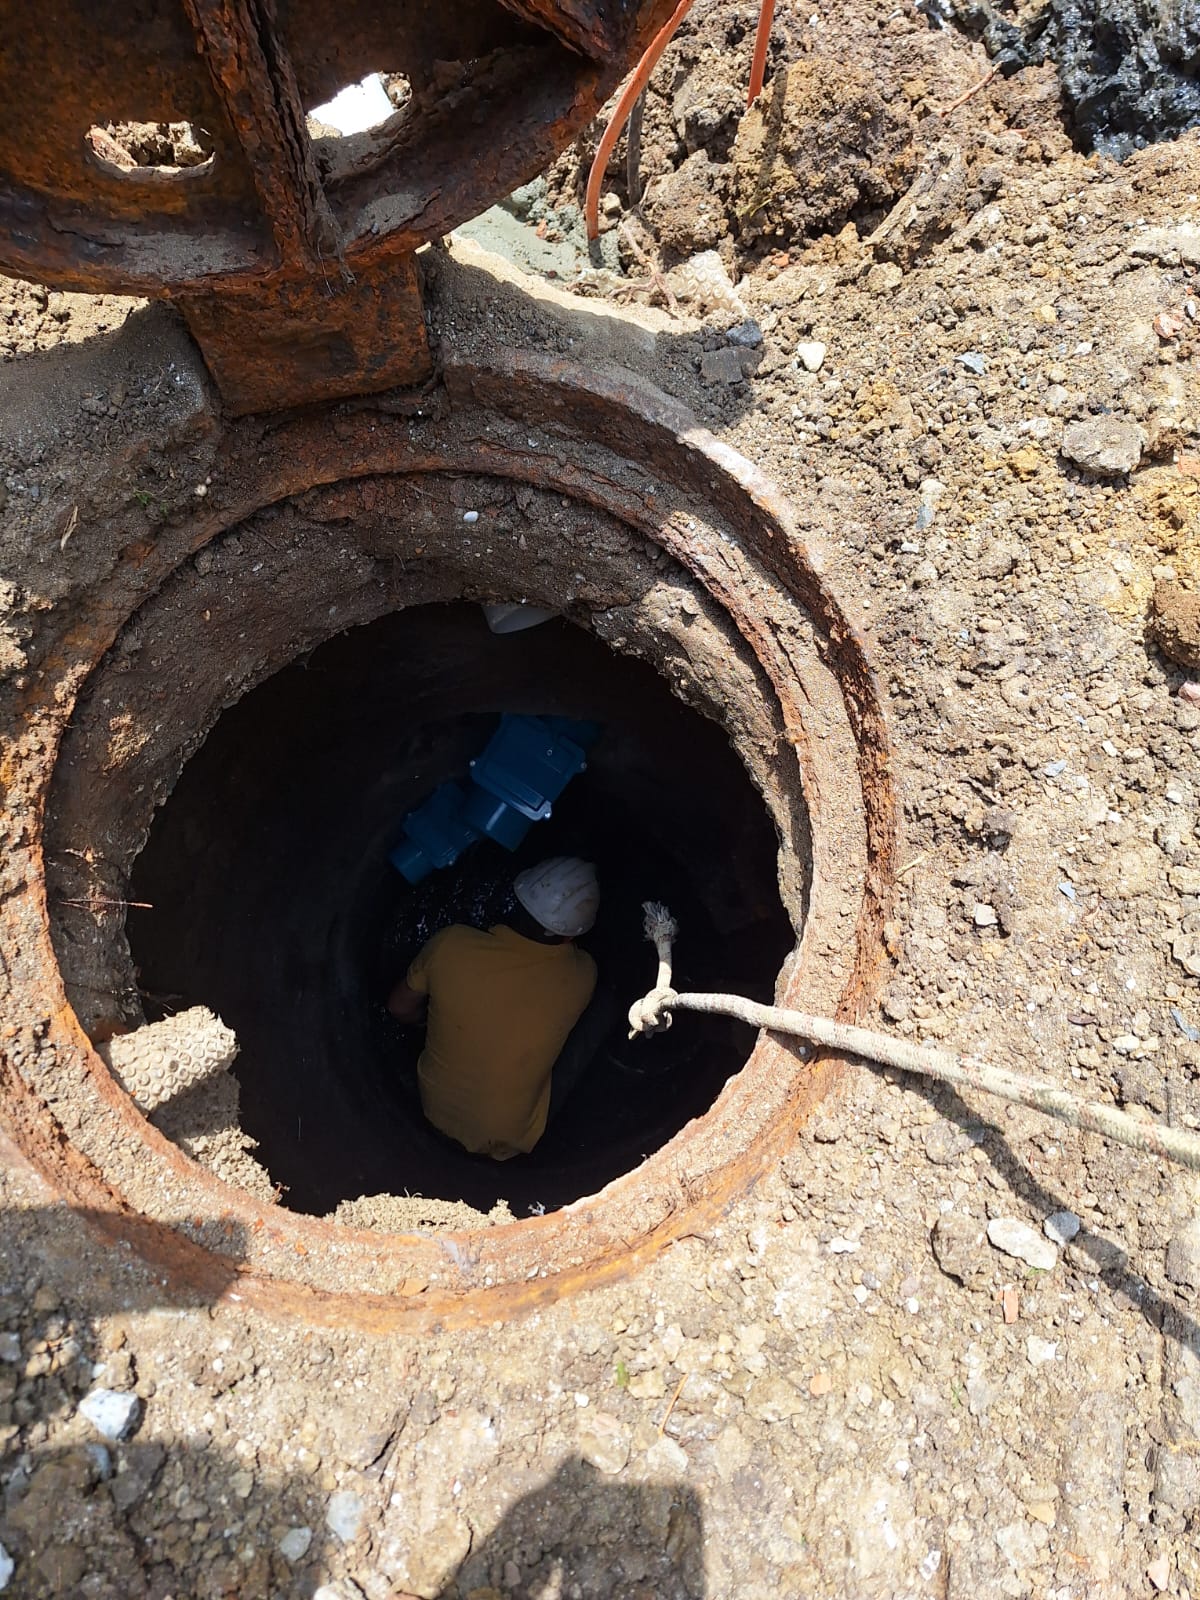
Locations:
column 526, row 765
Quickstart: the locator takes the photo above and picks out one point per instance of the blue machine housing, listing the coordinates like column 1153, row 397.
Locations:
column 525, row 766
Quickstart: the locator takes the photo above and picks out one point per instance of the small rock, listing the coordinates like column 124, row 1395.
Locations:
column 811, row 355
column 665, row 1456
column 470, row 516
column 773, row 1399
column 650, row 1385
column 820, row 1383
column 884, row 277
column 746, row 335
column 113, row 1415
column 1061, row 1226
column 1190, row 692
column 725, row 365
column 344, row 1514
column 984, row 916
column 973, row 361
column 294, row 1544
column 1106, row 446
column 10, row 1347
column 1126, row 1043
column 1018, row 1239
column 842, row 1247
column 1159, row 1571
column 7, row 1567
column 138, row 1471
column 1043, row 1511
column 1185, row 948
column 1017, row 1546
column 1039, row 1351
column 1183, row 1255
column 924, row 575
column 1174, row 623
column 1054, row 769
column 604, row 1442
column 958, row 1247
column 511, row 1575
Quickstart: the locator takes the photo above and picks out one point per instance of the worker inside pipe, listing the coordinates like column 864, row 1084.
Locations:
column 510, row 1015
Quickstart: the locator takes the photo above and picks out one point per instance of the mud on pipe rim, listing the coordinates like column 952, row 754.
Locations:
column 601, row 441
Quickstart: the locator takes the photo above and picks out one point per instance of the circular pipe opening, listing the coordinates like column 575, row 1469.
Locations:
column 270, row 898
column 528, row 478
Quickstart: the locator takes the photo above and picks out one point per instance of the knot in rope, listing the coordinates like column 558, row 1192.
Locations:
column 652, row 1013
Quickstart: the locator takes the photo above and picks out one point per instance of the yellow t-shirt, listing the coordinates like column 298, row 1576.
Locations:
column 500, row 1009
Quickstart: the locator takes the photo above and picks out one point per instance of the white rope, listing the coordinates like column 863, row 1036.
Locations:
column 653, row 1013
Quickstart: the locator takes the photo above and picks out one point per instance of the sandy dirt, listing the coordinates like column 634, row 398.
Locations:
column 975, row 373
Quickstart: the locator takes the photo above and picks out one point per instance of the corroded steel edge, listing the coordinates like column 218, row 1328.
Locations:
column 590, row 1242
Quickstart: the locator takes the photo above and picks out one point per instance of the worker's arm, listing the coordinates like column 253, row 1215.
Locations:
column 405, row 1004
column 410, row 995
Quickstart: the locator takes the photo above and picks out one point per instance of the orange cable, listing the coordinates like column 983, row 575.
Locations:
column 762, row 39
column 641, row 77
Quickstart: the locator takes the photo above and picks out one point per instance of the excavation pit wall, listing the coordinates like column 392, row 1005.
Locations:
column 638, row 527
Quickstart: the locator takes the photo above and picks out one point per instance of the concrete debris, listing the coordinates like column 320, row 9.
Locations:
column 1018, row 1239
column 114, row 1415
column 1107, row 446
column 158, row 1062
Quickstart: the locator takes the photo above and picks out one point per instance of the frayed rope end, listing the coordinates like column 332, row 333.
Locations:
column 659, row 923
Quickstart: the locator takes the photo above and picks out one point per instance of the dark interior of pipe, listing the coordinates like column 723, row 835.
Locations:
column 273, row 902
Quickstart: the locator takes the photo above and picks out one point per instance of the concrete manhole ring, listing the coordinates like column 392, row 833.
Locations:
column 607, row 447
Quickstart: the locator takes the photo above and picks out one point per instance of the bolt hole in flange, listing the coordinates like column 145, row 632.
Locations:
column 531, row 484
column 158, row 150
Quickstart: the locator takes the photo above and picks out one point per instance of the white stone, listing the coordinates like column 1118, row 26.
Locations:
column 294, row 1544
column 1039, row 1351
column 7, row 1567
column 665, row 1456
column 112, row 1414
column 984, row 916
column 10, row 1347
column 344, row 1514
column 1018, row 1239
column 811, row 355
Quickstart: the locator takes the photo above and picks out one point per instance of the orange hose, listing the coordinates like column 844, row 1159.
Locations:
column 641, row 77
column 766, row 15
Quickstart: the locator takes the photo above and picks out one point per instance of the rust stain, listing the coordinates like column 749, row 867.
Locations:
column 535, row 1261
column 282, row 240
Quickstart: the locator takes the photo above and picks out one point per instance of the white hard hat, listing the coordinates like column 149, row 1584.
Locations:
column 560, row 893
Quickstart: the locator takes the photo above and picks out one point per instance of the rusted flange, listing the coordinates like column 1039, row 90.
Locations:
column 291, row 255
column 608, row 443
